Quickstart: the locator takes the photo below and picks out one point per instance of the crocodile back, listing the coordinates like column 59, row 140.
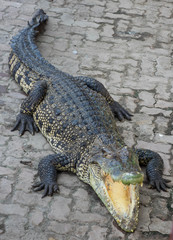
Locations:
column 72, row 115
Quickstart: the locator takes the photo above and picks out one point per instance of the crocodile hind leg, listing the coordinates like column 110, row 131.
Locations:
column 24, row 120
column 116, row 108
column 47, row 170
column 154, row 169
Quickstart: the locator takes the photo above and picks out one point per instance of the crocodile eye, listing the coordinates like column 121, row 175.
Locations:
column 103, row 173
column 104, row 151
column 107, row 154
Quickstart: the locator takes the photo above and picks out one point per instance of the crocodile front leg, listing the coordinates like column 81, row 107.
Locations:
column 47, row 170
column 154, row 169
column 116, row 108
column 24, row 120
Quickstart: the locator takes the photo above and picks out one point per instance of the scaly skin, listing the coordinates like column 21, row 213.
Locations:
column 77, row 117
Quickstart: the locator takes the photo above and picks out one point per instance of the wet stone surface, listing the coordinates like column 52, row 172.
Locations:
column 126, row 45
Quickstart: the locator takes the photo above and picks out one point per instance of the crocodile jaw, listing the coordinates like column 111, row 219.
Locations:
column 121, row 200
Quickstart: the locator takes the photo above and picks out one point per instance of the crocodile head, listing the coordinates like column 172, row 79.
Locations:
column 116, row 177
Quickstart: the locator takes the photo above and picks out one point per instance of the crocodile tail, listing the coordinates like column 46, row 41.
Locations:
column 26, row 63
column 24, row 76
column 27, row 35
column 38, row 18
column 24, row 53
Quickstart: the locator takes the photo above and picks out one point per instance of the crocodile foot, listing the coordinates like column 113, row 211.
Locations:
column 159, row 183
column 49, row 188
column 120, row 112
column 25, row 122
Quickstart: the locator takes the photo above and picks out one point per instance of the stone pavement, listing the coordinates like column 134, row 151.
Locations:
column 125, row 44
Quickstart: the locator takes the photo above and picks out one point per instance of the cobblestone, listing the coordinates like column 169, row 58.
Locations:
column 124, row 44
column 12, row 209
column 36, row 217
column 60, row 228
column 5, row 188
column 162, row 228
column 97, row 233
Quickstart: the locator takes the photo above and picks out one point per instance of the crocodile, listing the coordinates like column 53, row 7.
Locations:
column 77, row 116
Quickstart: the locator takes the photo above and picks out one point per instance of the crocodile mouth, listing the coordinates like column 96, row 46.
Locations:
column 121, row 200
column 123, row 203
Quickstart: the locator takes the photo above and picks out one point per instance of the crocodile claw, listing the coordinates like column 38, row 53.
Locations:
column 49, row 188
column 160, row 184
column 25, row 122
column 120, row 112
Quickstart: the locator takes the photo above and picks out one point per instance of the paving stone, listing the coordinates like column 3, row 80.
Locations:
column 122, row 26
column 163, row 104
column 81, row 230
column 67, row 19
column 81, row 205
column 97, row 2
column 31, row 234
column 148, row 66
column 144, row 219
column 15, row 146
column 147, row 98
column 143, row 84
column 61, row 45
column 60, row 228
column 84, row 24
column 152, row 192
column 126, row 4
column 97, row 11
column 92, row 34
column 144, row 126
column 161, row 124
column 97, row 233
column 88, row 217
column 73, row 238
column 6, row 171
column 3, row 140
column 25, row 179
column 167, row 166
column 116, row 233
column 164, row 148
column 9, row 209
column 39, row 141
column 64, row 191
column 131, row 103
column 5, row 188
column 60, row 209
column 145, row 200
column 101, row 20
column 36, row 217
column 158, row 205
column 81, row 194
column 15, row 226
column 29, row 199
column 163, row 138
column 156, row 111
column 162, row 92
column 135, row 236
column 160, row 226
column 128, row 138
column 165, row 12
column 81, row 200
column 107, row 31
column 116, row 76
column 68, row 180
